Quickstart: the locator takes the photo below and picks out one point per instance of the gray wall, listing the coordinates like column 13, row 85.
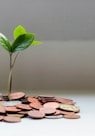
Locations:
column 53, row 65
column 50, row 19
column 66, row 60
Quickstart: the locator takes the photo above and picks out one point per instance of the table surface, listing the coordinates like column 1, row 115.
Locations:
column 85, row 126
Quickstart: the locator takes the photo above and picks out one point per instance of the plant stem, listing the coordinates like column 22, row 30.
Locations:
column 10, row 74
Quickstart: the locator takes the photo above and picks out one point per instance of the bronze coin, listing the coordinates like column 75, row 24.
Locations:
column 73, row 116
column 51, row 104
column 2, row 109
column 23, row 106
column 23, row 112
column 65, row 101
column 17, row 95
column 32, row 100
column 54, row 117
column 67, row 112
column 1, row 117
column 48, row 110
column 36, row 105
column 12, row 119
column 12, row 109
column 58, row 112
column 36, row 114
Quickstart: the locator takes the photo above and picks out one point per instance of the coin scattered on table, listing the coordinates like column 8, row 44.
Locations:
column 1, row 118
column 54, row 117
column 21, row 105
column 12, row 119
column 51, row 104
column 11, row 103
column 68, row 107
column 73, row 116
column 48, row 110
column 36, row 114
column 17, row 95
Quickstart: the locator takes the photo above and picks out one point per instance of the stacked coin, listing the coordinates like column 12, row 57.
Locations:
column 36, row 107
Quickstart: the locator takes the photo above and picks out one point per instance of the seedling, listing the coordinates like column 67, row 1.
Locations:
column 22, row 40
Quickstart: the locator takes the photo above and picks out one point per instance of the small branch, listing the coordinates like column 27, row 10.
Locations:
column 10, row 74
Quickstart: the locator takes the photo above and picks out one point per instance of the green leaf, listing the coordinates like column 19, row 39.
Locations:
column 5, row 43
column 19, row 30
column 22, row 42
column 36, row 43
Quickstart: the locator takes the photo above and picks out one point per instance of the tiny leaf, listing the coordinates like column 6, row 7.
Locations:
column 19, row 30
column 36, row 43
column 5, row 43
column 22, row 42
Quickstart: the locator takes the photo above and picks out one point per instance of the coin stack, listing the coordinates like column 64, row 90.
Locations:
column 36, row 107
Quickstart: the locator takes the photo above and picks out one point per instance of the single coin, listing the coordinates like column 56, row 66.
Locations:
column 1, row 103
column 11, row 103
column 54, row 117
column 15, row 115
column 67, row 112
column 32, row 100
column 24, row 101
column 73, row 116
column 36, row 105
column 51, row 104
column 23, row 112
column 17, row 95
column 68, row 107
column 48, row 110
column 58, row 112
column 23, row 106
column 1, row 117
column 2, row 109
column 65, row 101
column 12, row 109
column 45, row 96
column 36, row 114
column 12, row 119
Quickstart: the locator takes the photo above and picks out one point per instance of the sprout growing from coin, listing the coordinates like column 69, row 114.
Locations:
column 22, row 40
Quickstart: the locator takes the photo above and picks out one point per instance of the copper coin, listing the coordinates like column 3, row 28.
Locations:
column 23, row 112
column 36, row 114
column 73, row 116
column 67, row 113
column 12, row 119
column 2, row 109
column 54, row 117
column 1, row 117
column 23, row 106
column 36, row 105
column 58, row 112
column 32, row 100
column 65, row 101
column 17, row 95
column 48, row 110
column 51, row 104
column 12, row 109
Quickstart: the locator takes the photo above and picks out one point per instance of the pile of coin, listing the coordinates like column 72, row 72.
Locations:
column 36, row 107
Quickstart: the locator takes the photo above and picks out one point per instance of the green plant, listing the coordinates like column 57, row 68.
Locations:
column 22, row 40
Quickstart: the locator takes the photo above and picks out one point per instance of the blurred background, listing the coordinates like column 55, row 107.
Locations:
column 66, row 59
